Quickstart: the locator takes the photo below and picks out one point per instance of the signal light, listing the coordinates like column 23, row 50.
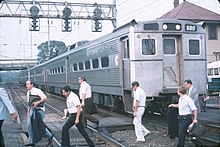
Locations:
column 97, row 27
column 67, row 25
column 34, row 24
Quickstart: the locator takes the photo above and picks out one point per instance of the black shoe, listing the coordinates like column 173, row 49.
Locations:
column 30, row 144
column 49, row 141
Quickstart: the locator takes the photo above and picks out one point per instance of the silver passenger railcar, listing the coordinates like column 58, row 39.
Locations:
column 159, row 54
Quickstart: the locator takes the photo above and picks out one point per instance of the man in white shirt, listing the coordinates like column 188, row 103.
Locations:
column 74, row 110
column 186, row 108
column 139, row 108
column 5, row 102
column 86, row 98
column 36, row 99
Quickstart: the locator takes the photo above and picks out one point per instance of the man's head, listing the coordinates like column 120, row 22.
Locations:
column 29, row 85
column 81, row 79
column 66, row 91
column 182, row 90
column 134, row 85
column 188, row 83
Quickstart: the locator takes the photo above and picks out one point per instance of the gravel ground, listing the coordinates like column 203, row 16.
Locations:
column 154, row 139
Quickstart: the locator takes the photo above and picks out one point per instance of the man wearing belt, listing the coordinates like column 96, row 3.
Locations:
column 86, row 98
column 38, row 103
column 186, row 108
column 74, row 110
column 139, row 108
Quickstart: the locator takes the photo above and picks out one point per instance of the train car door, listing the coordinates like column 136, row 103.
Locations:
column 126, row 83
column 172, row 61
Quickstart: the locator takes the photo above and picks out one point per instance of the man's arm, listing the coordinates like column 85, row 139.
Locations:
column 77, row 114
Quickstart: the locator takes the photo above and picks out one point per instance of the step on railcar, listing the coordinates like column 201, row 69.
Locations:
column 160, row 54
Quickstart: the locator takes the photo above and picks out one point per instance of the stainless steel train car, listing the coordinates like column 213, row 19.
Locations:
column 160, row 54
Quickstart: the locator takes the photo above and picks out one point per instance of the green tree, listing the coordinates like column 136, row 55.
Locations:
column 56, row 48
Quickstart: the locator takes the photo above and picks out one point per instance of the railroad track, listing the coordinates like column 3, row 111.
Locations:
column 16, row 92
column 207, row 139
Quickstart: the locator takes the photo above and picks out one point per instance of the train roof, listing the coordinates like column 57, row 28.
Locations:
column 118, row 31
column 214, row 64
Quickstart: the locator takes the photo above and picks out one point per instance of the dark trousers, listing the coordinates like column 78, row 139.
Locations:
column 2, row 144
column 86, row 112
column 184, row 122
column 65, row 130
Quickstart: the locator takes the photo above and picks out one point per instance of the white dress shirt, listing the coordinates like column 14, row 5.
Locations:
column 36, row 91
column 139, row 95
column 72, row 101
column 186, row 105
column 85, row 88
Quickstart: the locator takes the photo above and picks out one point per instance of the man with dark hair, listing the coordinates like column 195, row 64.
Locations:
column 74, row 110
column 193, row 93
column 186, row 108
column 86, row 98
column 139, row 108
column 36, row 99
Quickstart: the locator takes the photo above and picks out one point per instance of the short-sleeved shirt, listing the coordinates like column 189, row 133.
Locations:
column 72, row 101
column 139, row 95
column 186, row 105
column 85, row 88
column 36, row 91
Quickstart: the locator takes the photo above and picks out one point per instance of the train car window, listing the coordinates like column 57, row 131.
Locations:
column 62, row 69
column 148, row 47
column 105, row 61
column 126, row 48
column 74, row 67
column 55, row 70
column 58, row 70
column 212, row 31
column 87, row 65
column 210, row 72
column 95, row 63
column 194, row 47
column 80, row 66
column 215, row 71
column 169, row 46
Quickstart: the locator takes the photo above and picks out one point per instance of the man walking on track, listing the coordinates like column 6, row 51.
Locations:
column 86, row 98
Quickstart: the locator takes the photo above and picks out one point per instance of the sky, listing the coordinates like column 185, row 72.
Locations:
column 16, row 41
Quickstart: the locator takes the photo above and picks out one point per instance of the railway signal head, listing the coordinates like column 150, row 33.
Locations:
column 67, row 25
column 34, row 26
column 97, row 26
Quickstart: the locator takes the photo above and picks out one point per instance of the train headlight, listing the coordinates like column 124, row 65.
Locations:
column 165, row 27
column 178, row 27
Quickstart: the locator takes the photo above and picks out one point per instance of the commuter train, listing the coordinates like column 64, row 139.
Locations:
column 213, row 77
column 159, row 54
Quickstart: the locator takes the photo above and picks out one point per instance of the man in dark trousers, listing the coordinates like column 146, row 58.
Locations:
column 74, row 110
column 86, row 98
column 186, row 109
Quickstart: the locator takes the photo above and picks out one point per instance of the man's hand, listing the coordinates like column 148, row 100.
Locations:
column 134, row 114
column 76, row 121
column 15, row 116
